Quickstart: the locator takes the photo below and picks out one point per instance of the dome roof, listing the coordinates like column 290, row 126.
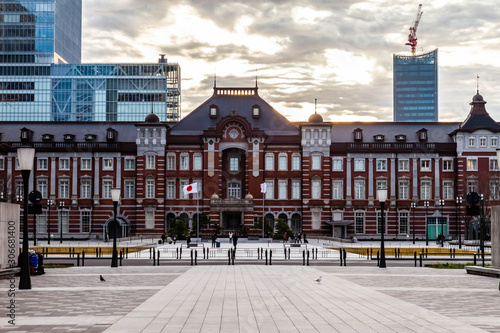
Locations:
column 315, row 118
column 152, row 118
column 477, row 98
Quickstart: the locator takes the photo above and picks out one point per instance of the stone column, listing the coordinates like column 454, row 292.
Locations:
column 495, row 236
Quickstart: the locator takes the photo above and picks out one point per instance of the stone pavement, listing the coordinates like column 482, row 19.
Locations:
column 249, row 298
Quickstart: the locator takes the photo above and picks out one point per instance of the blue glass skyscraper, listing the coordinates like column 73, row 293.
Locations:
column 40, row 31
column 415, row 87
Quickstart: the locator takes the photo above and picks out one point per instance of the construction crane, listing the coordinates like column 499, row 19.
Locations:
column 412, row 37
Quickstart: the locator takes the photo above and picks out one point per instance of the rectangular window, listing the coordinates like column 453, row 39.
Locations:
column 404, row 189
column 234, row 164
column 359, row 223
column 494, row 189
column 270, row 189
column 150, row 219
column 2, row 163
column 197, row 165
column 425, row 165
column 472, row 141
column 85, row 221
column 107, row 185
column 316, row 189
column 379, row 222
column 494, row 141
column 107, row 164
column 425, row 190
column 471, row 185
column 338, row 189
column 41, row 185
column 41, row 225
column 150, row 188
column 447, row 165
column 337, row 164
column 381, row 164
column 296, row 188
column 85, row 164
column 170, row 189
column 234, row 190
column 315, row 162
column 404, row 165
column 493, row 164
column 482, row 142
column 181, row 191
column 359, row 164
column 64, row 164
column 282, row 189
column 404, row 222
column 184, row 162
column 269, row 162
column 64, row 188
column 43, row 164
column 359, row 189
column 171, row 162
column 448, row 190
column 64, row 220
column 129, row 163
column 472, row 164
column 150, row 162
column 129, row 192
column 283, row 162
column 295, row 162
column 85, row 188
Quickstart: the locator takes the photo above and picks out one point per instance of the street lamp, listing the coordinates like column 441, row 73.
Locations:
column 413, row 206
column 25, row 157
column 115, row 196
column 458, row 225
column 426, row 204
column 50, row 203
column 441, row 203
column 382, row 197
column 61, row 207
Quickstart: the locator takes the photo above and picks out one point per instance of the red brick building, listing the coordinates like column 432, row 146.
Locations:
column 321, row 177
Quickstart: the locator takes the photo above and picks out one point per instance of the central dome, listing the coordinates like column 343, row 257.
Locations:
column 315, row 118
column 152, row 118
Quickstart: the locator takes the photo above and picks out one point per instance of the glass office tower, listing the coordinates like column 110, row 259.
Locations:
column 89, row 92
column 40, row 31
column 415, row 88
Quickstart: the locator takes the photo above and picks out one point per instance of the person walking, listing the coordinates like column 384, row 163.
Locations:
column 214, row 239
column 188, row 240
column 235, row 240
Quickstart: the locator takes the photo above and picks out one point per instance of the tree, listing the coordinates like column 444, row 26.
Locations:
column 179, row 228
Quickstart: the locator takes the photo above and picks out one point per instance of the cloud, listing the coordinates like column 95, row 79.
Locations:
column 339, row 52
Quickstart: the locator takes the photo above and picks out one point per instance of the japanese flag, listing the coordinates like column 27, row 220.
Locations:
column 191, row 188
column 263, row 188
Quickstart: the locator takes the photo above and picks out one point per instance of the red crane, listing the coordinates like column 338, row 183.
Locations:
column 412, row 37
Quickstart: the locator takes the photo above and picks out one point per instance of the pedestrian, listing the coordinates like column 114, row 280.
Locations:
column 305, row 239
column 214, row 239
column 175, row 238
column 188, row 240
column 163, row 237
column 235, row 240
column 230, row 237
column 284, row 237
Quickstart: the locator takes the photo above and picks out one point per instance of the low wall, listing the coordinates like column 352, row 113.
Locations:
column 495, row 236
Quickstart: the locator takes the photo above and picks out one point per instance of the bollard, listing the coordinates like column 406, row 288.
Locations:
column 303, row 257
column 203, row 253
column 229, row 257
column 78, row 260
column 454, row 254
column 284, row 249
column 83, row 258
column 157, row 259
column 451, row 254
column 195, row 257
column 266, row 256
column 426, row 252
column 192, row 257
column 288, row 253
column 415, row 257
column 261, row 253
column 474, row 259
column 270, row 257
column 258, row 253
column 150, row 249
column 420, row 259
column 340, row 252
column 97, row 252
column 207, row 252
column 180, row 253
column 121, row 257
column 233, row 256
column 378, row 259
column 177, row 253
column 345, row 258
column 154, row 258
column 307, row 257
column 127, row 254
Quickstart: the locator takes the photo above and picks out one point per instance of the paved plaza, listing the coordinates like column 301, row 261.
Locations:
column 254, row 298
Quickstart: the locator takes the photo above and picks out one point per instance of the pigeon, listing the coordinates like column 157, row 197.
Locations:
column 318, row 279
column 102, row 279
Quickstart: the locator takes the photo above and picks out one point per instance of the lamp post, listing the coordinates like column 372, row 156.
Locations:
column 441, row 203
column 413, row 206
column 426, row 204
column 50, row 203
column 458, row 225
column 115, row 195
column 25, row 157
column 61, row 207
column 382, row 197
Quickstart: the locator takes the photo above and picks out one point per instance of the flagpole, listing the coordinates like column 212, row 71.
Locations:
column 263, row 214
column 198, row 223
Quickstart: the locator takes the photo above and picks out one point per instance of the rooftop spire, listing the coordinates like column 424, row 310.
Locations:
column 477, row 83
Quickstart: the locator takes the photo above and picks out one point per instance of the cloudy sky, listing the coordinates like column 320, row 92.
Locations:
column 336, row 51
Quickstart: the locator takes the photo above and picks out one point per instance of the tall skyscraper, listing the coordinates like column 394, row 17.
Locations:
column 415, row 89
column 40, row 31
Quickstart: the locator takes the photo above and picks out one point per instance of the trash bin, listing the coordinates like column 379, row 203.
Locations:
column 217, row 244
